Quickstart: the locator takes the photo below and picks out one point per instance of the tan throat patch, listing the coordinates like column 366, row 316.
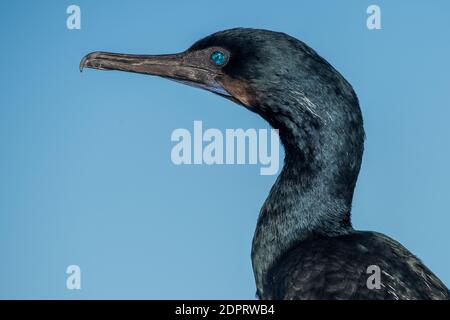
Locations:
column 239, row 90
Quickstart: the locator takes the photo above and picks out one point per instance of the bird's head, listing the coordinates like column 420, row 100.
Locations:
column 270, row 73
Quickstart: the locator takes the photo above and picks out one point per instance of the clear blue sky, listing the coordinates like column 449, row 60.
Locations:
column 85, row 170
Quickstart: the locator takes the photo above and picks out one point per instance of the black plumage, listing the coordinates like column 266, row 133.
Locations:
column 323, row 267
column 304, row 245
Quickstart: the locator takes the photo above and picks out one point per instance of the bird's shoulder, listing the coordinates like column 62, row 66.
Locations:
column 346, row 267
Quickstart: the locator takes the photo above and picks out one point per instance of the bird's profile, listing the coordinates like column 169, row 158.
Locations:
column 304, row 245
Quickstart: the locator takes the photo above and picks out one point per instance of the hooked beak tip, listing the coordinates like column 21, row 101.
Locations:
column 81, row 67
column 87, row 59
column 84, row 62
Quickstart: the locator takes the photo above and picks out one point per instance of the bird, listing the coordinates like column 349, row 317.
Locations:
column 304, row 245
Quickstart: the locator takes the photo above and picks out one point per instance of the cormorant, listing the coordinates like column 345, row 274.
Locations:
column 304, row 245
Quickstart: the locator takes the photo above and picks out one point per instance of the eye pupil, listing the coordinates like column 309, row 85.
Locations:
column 218, row 57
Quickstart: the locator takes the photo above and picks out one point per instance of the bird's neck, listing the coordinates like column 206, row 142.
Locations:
column 312, row 196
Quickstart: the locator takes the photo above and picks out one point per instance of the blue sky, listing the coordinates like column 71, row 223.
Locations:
column 85, row 170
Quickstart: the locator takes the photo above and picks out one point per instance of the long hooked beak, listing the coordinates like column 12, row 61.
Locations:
column 171, row 66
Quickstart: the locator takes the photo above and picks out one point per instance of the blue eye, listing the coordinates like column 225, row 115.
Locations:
column 218, row 57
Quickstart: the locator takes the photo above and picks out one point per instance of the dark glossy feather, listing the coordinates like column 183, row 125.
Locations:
column 336, row 268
